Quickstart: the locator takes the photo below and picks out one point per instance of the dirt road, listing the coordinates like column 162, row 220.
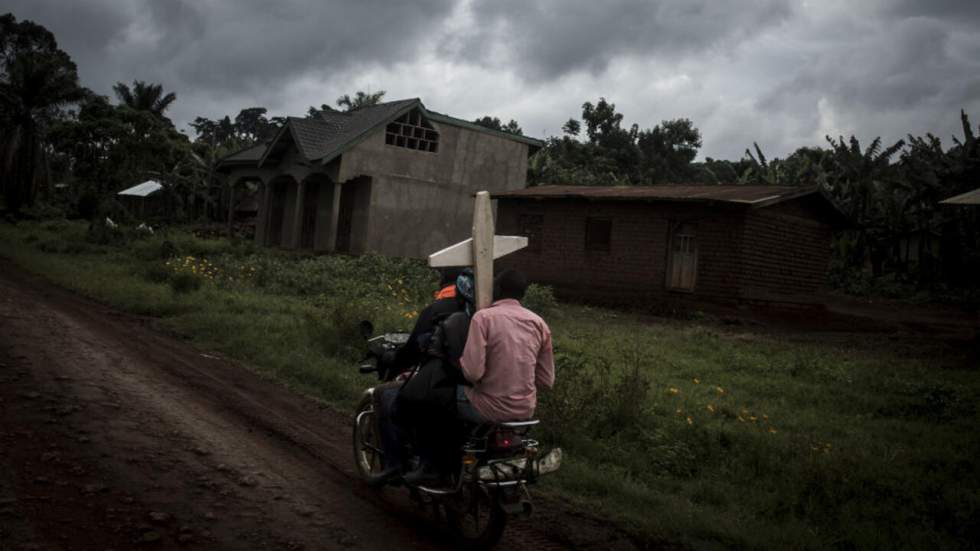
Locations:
column 115, row 436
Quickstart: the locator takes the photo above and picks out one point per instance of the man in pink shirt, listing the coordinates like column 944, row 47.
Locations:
column 507, row 357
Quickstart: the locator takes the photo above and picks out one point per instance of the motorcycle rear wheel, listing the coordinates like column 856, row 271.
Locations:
column 368, row 454
column 476, row 518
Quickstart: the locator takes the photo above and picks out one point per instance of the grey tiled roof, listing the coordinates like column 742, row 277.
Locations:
column 338, row 129
column 249, row 154
column 331, row 132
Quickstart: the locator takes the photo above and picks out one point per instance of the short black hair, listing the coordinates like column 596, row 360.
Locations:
column 447, row 276
column 509, row 284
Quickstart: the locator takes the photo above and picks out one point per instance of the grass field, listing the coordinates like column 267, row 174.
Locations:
column 684, row 431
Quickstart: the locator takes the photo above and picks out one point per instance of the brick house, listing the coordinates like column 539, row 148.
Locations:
column 656, row 245
column 393, row 178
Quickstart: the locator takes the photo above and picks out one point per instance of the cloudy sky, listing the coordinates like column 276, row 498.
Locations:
column 782, row 73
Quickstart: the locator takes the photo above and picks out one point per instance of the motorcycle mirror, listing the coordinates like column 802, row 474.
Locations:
column 366, row 328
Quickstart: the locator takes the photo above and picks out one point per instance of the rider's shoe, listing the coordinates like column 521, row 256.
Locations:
column 423, row 475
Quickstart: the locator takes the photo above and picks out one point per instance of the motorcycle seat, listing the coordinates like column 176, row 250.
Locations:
column 518, row 424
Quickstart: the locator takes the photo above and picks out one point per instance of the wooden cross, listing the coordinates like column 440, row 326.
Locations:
column 480, row 250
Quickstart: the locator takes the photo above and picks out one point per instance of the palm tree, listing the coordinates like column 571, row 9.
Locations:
column 144, row 97
column 37, row 79
column 863, row 182
column 360, row 99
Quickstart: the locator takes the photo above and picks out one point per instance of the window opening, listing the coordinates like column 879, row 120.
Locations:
column 598, row 234
column 412, row 131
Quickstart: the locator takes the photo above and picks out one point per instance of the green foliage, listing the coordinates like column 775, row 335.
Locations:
column 144, row 96
column 493, row 123
column 360, row 99
column 540, row 299
column 613, row 155
column 186, row 282
column 37, row 80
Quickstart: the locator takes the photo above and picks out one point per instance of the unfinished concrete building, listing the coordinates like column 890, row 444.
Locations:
column 393, row 178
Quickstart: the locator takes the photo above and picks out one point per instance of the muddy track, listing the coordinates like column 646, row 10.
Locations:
column 115, row 435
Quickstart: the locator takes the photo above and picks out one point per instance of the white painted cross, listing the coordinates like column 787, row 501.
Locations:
column 480, row 250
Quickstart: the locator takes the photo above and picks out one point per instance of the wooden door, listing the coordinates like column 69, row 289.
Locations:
column 683, row 258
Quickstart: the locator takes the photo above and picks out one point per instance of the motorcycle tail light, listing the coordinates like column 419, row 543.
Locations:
column 506, row 440
column 469, row 459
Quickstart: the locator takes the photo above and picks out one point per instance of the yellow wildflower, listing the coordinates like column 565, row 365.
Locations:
column 719, row 390
column 711, row 408
column 673, row 391
column 697, row 381
column 753, row 418
column 690, row 421
column 772, row 430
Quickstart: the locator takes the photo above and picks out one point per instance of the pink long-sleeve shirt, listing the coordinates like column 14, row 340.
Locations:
column 507, row 356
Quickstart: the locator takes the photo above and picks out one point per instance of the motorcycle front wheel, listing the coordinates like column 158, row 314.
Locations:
column 368, row 454
column 476, row 518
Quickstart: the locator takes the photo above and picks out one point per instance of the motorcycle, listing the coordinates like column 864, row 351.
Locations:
column 498, row 460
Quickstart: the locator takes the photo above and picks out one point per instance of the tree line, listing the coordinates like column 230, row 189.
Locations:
column 56, row 134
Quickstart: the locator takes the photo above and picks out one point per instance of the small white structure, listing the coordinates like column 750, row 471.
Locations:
column 142, row 190
column 968, row 198
column 139, row 193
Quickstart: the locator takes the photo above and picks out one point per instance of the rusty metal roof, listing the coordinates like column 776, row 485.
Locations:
column 748, row 195
column 968, row 198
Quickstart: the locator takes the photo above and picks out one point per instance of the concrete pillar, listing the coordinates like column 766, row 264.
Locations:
column 296, row 222
column 262, row 219
column 331, row 233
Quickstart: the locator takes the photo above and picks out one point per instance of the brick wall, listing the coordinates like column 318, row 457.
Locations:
column 785, row 251
column 634, row 270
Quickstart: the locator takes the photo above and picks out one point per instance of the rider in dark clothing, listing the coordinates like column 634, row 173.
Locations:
column 407, row 357
column 446, row 303
column 429, row 398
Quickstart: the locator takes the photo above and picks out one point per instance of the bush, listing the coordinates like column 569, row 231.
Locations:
column 335, row 331
column 101, row 232
column 539, row 299
column 61, row 246
column 42, row 211
column 157, row 273
column 185, row 282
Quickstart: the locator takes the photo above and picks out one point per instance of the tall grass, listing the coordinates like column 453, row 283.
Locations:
column 683, row 430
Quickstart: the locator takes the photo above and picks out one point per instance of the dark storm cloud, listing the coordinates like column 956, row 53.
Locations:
column 549, row 38
column 780, row 72
column 228, row 46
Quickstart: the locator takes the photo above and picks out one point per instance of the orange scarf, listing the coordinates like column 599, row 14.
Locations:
column 448, row 291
